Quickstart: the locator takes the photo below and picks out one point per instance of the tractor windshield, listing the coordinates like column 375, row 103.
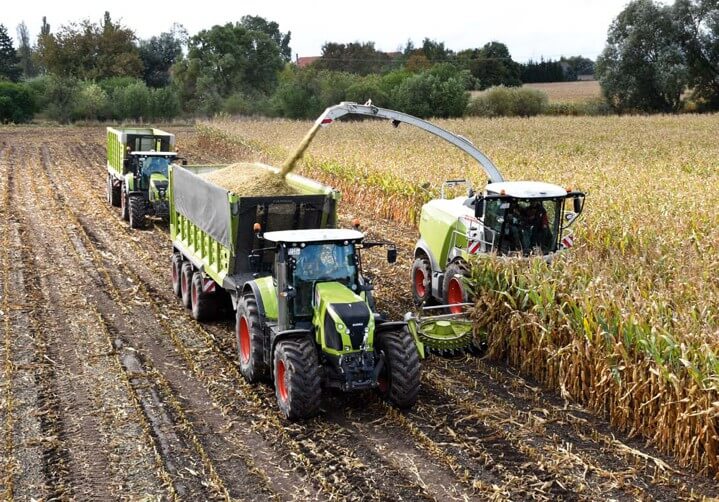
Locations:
column 322, row 262
column 524, row 226
column 151, row 165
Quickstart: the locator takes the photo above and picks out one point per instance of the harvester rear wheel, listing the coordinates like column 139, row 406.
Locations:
column 297, row 378
column 398, row 382
column 176, row 272
column 137, row 211
column 203, row 305
column 186, row 283
column 454, row 287
column 421, row 276
column 250, row 340
column 124, row 209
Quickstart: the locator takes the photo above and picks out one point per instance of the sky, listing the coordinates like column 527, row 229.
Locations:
column 530, row 28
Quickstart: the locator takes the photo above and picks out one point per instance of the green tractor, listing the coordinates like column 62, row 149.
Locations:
column 137, row 162
column 508, row 218
column 312, row 324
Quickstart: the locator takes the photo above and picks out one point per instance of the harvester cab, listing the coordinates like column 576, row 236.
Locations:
column 506, row 218
column 320, row 327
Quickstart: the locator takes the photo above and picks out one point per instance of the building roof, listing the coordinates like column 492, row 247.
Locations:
column 306, row 60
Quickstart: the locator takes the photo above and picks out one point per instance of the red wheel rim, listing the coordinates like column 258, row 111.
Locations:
column 455, row 294
column 183, row 284
column 382, row 383
column 280, row 380
column 419, row 286
column 194, row 294
column 244, row 340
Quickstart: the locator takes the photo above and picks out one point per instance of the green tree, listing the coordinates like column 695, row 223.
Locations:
column 439, row 92
column 272, row 29
column 577, row 65
column 25, row 52
column 492, row 65
column 90, row 51
column 224, row 60
column 16, row 104
column 61, row 96
column 9, row 62
column 698, row 24
column 90, row 102
column 360, row 58
column 644, row 66
column 159, row 53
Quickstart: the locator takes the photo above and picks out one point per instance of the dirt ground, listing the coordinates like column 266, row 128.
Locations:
column 109, row 389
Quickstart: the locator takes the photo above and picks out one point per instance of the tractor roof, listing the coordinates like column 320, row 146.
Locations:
column 155, row 154
column 527, row 189
column 316, row 235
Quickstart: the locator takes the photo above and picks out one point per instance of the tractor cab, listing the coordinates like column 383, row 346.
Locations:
column 526, row 217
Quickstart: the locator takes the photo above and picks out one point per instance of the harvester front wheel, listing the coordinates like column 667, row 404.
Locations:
column 250, row 340
column 137, row 211
column 176, row 273
column 203, row 304
column 297, row 378
column 186, row 283
column 398, row 381
column 124, row 209
column 421, row 276
column 455, row 287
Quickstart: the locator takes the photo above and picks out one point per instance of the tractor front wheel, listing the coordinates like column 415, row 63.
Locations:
column 297, row 378
column 137, row 211
column 203, row 304
column 250, row 340
column 398, row 382
column 421, row 276
column 455, row 286
column 186, row 284
column 176, row 272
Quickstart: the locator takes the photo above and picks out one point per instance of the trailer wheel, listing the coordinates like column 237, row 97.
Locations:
column 124, row 209
column 113, row 192
column 176, row 268
column 421, row 276
column 454, row 287
column 137, row 211
column 297, row 378
column 186, row 283
column 398, row 382
column 250, row 340
column 203, row 304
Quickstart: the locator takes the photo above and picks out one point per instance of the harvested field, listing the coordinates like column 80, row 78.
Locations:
column 110, row 390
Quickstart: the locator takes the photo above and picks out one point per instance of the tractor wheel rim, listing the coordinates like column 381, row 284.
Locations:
column 194, row 295
column 455, row 294
column 280, row 381
column 382, row 382
column 183, row 284
column 244, row 340
column 174, row 272
column 419, row 286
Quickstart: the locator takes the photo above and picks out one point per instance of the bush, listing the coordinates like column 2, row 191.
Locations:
column 509, row 102
column 61, row 94
column 429, row 95
column 91, row 102
column 242, row 104
column 164, row 103
column 132, row 102
column 597, row 106
column 370, row 87
column 16, row 103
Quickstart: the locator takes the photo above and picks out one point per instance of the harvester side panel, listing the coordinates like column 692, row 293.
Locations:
column 438, row 224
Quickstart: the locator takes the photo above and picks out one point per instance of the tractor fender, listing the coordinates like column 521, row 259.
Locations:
column 289, row 334
column 389, row 326
column 251, row 287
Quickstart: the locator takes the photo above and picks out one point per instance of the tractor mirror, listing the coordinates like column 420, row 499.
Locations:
column 392, row 255
column 479, row 207
column 578, row 203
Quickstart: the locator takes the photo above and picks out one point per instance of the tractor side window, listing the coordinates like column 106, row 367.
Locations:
column 494, row 213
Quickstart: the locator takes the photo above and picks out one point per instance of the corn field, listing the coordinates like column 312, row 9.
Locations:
column 627, row 323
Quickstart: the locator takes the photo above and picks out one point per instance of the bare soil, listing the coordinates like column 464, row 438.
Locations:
column 109, row 390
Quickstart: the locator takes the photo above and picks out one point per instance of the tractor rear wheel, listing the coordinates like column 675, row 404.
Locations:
column 421, row 276
column 398, row 382
column 186, row 283
column 297, row 378
column 176, row 272
column 454, row 287
column 203, row 305
column 124, row 209
column 250, row 340
column 137, row 211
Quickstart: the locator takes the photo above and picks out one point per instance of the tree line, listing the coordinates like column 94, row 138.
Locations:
column 658, row 58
